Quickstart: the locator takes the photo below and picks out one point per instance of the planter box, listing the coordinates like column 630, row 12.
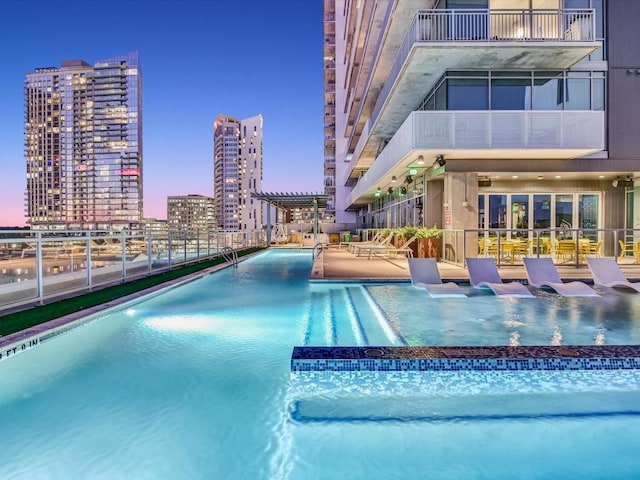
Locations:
column 428, row 248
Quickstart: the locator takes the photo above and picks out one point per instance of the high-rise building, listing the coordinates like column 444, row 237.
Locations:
column 237, row 167
column 83, row 145
column 484, row 114
column 190, row 214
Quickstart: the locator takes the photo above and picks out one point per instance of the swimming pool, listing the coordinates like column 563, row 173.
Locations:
column 195, row 383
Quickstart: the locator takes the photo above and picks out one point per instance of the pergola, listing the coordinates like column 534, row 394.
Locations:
column 289, row 201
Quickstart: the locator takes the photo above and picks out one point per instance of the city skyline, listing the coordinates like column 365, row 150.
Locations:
column 220, row 57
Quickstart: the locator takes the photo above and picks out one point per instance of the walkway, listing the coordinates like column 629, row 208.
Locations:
column 334, row 264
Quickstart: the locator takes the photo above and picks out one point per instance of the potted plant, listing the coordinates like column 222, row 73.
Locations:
column 407, row 232
column 429, row 242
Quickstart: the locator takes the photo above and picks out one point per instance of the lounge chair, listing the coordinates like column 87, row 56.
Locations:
column 483, row 274
column 543, row 274
column 425, row 274
column 357, row 247
column 392, row 250
column 607, row 273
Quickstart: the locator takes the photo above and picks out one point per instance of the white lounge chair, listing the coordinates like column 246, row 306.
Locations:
column 356, row 247
column 425, row 274
column 390, row 250
column 483, row 274
column 543, row 274
column 607, row 273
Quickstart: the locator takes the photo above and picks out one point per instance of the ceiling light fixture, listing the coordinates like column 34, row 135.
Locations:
column 393, row 179
column 420, row 160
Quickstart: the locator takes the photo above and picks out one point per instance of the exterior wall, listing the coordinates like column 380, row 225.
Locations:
column 83, row 145
column 624, row 78
column 250, row 211
column 342, row 164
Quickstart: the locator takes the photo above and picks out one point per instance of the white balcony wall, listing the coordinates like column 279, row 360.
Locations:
column 486, row 134
column 513, row 130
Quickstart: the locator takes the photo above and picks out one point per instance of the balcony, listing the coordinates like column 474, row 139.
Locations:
column 441, row 40
column 502, row 134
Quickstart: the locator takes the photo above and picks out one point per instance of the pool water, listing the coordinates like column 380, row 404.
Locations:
column 195, row 383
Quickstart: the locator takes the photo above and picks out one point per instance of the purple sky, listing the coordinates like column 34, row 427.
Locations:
column 199, row 58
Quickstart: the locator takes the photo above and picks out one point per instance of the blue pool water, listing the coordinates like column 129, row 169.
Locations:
column 195, row 383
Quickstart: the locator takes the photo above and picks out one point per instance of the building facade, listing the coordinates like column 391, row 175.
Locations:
column 83, row 145
column 191, row 214
column 485, row 114
column 237, row 170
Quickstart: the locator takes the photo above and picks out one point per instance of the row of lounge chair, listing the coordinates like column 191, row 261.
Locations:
column 379, row 245
column 541, row 273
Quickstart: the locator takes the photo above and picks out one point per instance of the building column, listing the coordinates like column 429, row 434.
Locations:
column 460, row 212
column 268, row 226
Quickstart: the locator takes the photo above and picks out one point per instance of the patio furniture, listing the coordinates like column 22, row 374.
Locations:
column 425, row 274
column 542, row 273
column 483, row 274
column 607, row 273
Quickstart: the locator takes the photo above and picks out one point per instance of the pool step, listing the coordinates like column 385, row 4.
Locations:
column 372, row 319
column 346, row 316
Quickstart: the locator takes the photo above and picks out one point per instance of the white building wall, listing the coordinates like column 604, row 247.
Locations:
column 342, row 165
column 251, row 155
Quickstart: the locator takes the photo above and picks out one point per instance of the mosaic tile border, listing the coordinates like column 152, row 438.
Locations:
column 405, row 358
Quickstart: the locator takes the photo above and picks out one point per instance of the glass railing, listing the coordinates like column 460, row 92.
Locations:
column 35, row 266
column 566, row 246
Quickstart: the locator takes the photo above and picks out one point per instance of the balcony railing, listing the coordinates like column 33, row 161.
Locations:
column 490, row 27
column 503, row 25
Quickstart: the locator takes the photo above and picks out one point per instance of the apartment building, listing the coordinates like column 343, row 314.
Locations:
column 237, row 167
column 483, row 114
column 190, row 214
column 83, row 145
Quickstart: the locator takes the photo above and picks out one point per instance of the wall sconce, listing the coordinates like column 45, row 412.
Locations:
column 390, row 190
column 393, row 179
column 377, row 193
column 441, row 161
column 409, row 179
column 622, row 182
column 403, row 190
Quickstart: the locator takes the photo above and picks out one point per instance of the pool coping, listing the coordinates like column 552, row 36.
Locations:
column 457, row 358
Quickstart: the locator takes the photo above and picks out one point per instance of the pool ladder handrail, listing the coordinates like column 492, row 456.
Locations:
column 319, row 247
column 230, row 255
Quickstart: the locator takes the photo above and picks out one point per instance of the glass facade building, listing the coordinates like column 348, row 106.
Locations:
column 83, row 145
column 190, row 214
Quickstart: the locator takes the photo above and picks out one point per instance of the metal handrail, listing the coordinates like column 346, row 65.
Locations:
column 319, row 247
column 230, row 255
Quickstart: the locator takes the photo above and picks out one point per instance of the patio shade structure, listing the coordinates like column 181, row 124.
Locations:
column 289, row 201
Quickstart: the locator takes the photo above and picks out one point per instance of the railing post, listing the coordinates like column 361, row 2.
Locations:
column 149, row 251
column 89, row 263
column 123, row 259
column 169, row 247
column 39, row 268
column 185, row 245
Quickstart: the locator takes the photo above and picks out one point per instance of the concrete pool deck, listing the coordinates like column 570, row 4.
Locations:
column 339, row 264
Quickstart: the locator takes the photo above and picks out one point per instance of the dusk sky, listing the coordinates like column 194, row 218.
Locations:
column 199, row 58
